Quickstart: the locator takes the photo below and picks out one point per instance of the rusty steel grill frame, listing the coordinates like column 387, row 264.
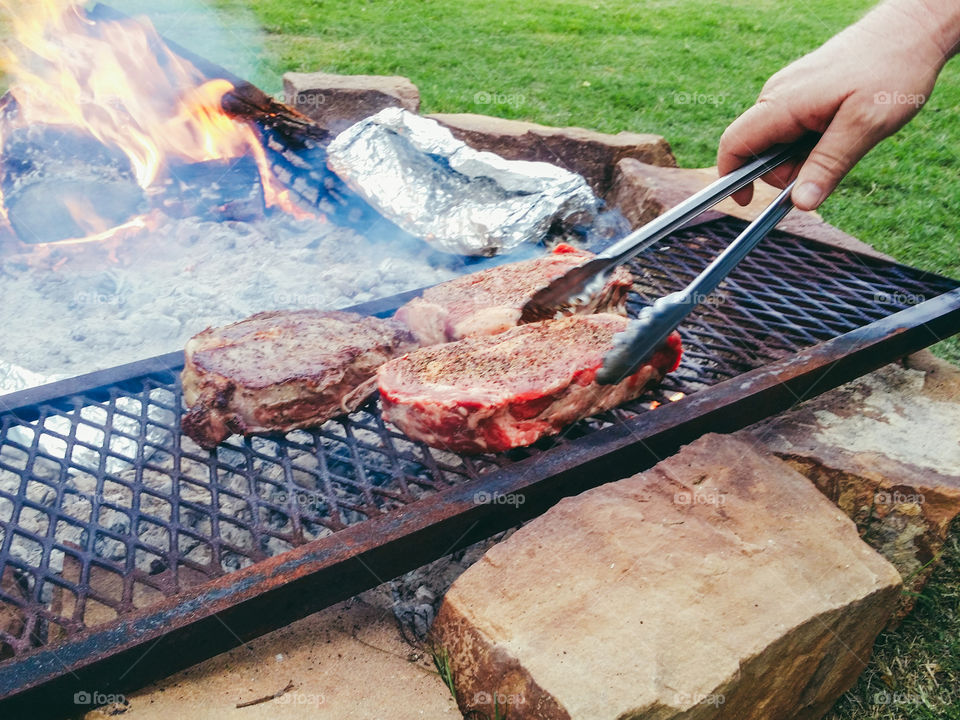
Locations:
column 177, row 554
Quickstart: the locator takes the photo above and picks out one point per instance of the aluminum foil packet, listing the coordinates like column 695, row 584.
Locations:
column 14, row 378
column 418, row 175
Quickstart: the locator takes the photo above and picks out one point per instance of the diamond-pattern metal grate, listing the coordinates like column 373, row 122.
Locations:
column 106, row 508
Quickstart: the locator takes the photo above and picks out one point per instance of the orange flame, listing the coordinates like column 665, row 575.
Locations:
column 673, row 397
column 119, row 82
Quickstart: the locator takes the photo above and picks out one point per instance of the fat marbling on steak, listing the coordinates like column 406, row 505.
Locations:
column 489, row 302
column 283, row 370
column 493, row 393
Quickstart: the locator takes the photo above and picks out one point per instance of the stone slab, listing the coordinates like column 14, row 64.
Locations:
column 886, row 449
column 721, row 583
column 643, row 191
column 336, row 102
column 348, row 662
column 587, row 152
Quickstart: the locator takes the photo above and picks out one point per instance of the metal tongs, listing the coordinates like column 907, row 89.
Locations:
column 645, row 334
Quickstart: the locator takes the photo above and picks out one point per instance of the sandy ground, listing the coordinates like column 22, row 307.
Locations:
column 347, row 662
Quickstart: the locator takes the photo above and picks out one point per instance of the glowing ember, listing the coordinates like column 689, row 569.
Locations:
column 119, row 82
column 673, row 397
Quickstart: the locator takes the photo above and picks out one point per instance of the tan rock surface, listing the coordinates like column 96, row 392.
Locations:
column 643, row 191
column 886, row 449
column 592, row 154
column 345, row 663
column 720, row 583
column 338, row 101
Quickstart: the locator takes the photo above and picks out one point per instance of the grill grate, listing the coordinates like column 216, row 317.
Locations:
column 106, row 509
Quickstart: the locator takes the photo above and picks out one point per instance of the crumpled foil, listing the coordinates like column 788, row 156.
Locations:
column 14, row 378
column 416, row 174
column 121, row 452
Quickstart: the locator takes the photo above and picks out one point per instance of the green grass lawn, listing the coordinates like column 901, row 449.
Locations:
column 680, row 68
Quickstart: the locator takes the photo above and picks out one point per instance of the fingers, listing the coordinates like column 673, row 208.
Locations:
column 780, row 177
column 848, row 138
column 763, row 125
column 744, row 196
column 760, row 127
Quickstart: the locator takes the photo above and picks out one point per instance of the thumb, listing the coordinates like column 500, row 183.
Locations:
column 846, row 140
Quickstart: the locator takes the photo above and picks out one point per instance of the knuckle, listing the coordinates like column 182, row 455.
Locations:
column 768, row 94
column 781, row 83
column 829, row 161
column 727, row 138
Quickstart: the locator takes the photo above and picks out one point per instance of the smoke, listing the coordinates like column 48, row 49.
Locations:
column 232, row 38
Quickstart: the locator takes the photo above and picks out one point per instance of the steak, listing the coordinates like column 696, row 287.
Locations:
column 489, row 302
column 283, row 370
column 489, row 394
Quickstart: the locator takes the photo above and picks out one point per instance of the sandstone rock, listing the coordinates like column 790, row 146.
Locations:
column 642, row 191
column 338, row 101
column 886, row 449
column 720, row 583
column 587, row 152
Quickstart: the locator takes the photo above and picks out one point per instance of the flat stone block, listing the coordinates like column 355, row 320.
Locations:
column 720, row 583
column 587, row 152
column 336, row 102
column 886, row 449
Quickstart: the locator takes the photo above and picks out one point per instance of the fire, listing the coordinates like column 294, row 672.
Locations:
column 672, row 397
column 119, row 82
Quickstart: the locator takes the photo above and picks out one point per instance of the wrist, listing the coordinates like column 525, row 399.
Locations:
column 937, row 23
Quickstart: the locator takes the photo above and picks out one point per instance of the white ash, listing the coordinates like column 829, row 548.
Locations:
column 72, row 309
column 154, row 491
column 123, row 518
column 415, row 598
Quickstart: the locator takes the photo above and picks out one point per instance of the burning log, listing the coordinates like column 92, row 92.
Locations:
column 297, row 143
column 215, row 190
column 123, row 122
column 245, row 100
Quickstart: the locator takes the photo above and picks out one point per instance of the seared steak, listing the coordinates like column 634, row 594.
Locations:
column 282, row 370
column 488, row 394
column 489, row 302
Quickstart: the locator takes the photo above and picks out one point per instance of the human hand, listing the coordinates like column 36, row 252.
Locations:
column 861, row 86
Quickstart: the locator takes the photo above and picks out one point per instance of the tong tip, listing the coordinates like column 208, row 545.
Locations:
column 564, row 295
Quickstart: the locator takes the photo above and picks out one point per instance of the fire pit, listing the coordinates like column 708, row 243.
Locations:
column 137, row 534
column 238, row 214
column 117, row 532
